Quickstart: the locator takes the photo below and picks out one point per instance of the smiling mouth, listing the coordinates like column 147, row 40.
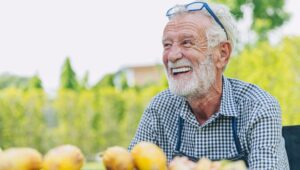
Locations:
column 180, row 70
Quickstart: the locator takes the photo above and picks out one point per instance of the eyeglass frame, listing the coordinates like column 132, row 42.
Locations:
column 208, row 9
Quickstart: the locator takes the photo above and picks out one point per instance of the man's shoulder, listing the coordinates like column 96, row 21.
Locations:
column 165, row 99
column 244, row 91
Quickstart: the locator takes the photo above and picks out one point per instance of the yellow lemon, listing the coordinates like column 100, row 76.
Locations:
column 240, row 165
column 20, row 159
column 117, row 158
column 148, row 156
column 65, row 157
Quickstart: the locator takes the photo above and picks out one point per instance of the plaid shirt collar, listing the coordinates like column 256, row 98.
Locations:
column 228, row 105
column 227, row 108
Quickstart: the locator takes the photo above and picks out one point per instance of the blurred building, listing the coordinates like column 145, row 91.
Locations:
column 140, row 75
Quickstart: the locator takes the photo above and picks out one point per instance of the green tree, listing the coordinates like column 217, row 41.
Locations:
column 122, row 81
column 9, row 80
column 35, row 83
column 21, row 118
column 266, row 14
column 11, row 118
column 111, row 106
column 84, row 83
column 106, row 81
column 74, row 113
column 68, row 78
column 274, row 68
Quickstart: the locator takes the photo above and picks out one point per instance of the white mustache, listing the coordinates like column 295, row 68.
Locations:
column 180, row 63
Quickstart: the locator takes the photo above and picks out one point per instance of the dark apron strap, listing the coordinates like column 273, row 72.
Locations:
column 235, row 136
column 178, row 142
column 178, row 135
column 241, row 154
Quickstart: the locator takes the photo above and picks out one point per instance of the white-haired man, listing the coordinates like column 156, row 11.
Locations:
column 203, row 113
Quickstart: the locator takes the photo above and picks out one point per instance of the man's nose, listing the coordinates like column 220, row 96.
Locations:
column 175, row 54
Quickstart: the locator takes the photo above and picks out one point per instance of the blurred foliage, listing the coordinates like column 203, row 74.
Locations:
column 92, row 119
column 275, row 69
column 35, row 83
column 68, row 79
column 84, row 82
column 9, row 80
column 266, row 15
column 95, row 118
column 106, row 81
column 21, row 118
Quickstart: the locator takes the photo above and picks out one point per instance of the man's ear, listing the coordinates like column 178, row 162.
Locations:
column 225, row 52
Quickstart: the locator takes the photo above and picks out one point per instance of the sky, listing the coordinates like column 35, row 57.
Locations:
column 99, row 37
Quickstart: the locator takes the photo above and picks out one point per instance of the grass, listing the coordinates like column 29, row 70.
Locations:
column 93, row 166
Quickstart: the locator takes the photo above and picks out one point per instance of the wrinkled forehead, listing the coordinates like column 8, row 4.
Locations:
column 188, row 22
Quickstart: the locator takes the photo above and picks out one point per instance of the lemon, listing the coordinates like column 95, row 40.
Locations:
column 20, row 159
column 117, row 158
column 65, row 157
column 148, row 156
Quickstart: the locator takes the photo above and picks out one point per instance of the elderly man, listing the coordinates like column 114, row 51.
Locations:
column 203, row 113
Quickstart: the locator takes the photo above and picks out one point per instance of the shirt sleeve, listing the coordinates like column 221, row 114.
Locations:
column 266, row 144
column 146, row 129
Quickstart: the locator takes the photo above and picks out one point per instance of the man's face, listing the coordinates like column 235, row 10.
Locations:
column 188, row 62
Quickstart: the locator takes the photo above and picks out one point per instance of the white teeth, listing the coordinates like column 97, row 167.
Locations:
column 181, row 70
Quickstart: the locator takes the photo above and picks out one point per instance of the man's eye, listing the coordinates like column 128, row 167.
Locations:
column 187, row 43
column 167, row 45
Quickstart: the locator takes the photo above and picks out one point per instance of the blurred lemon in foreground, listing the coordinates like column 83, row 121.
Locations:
column 65, row 157
column 237, row 165
column 204, row 164
column 117, row 158
column 20, row 159
column 181, row 163
column 148, row 156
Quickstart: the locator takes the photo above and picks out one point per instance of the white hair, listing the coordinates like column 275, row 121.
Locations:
column 215, row 34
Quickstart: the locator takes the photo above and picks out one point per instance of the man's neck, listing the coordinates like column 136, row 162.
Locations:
column 205, row 106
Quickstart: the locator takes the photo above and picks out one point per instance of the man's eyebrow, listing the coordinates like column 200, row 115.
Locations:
column 165, row 39
column 191, row 36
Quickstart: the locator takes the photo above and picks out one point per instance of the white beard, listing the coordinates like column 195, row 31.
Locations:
column 196, row 85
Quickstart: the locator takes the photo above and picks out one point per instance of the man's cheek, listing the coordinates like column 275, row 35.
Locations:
column 165, row 61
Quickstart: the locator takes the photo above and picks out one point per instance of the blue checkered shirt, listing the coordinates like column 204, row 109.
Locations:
column 259, row 127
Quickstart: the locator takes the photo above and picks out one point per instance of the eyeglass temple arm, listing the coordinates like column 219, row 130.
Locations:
column 216, row 19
